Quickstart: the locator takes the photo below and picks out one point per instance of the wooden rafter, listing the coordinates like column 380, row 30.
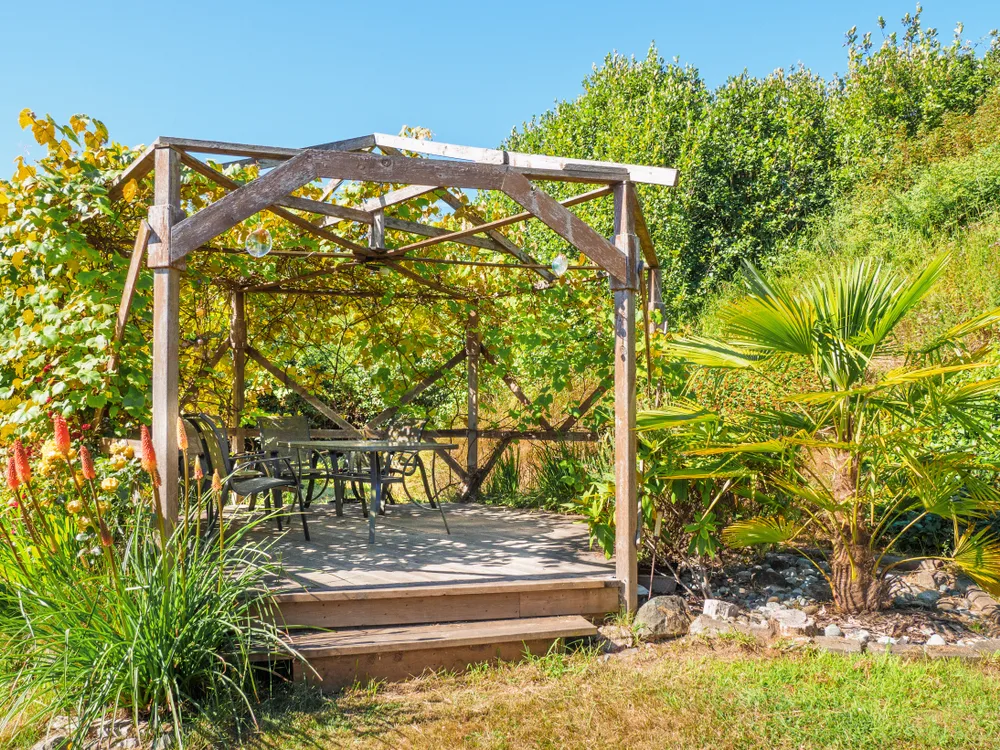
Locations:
column 416, row 390
column 585, row 406
column 220, row 179
column 206, row 367
column 513, row 386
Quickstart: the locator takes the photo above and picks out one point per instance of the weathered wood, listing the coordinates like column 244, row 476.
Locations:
column 462, row 602
column 340, row 213
column 395, row 197
column 241, row 204
column 416, row 390
column 470, row 488
column 400, row 169
column 424, row 230
column 166, row 333
column 579, row 436
column 642, row 231
column 546, row 166
column 566, row 224
column 499, row 223
column 585, row 406
column 376, row 235
column 128, row 294
column 514, row 387
column 138, row 169
column 238, row 343
column 626, row 475
column 261, row 152
column 302, row 203
column 309, row 398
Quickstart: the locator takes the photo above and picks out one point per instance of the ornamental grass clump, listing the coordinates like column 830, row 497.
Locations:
column 110, row 616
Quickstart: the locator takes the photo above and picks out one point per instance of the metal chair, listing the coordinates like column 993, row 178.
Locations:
column 247, row 474
column 316, row 469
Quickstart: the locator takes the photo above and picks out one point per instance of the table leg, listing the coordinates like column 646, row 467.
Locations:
column 339, row 485
column 313, row 463
column 376, row 484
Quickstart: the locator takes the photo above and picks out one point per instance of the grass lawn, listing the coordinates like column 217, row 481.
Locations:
column 725, row 694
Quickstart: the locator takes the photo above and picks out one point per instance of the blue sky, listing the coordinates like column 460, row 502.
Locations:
column 296, row 73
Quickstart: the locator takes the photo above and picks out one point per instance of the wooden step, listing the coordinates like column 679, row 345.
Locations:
column 341, row 658
column 457, row 602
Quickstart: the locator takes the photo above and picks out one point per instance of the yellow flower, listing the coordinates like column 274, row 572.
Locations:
column 83, row 523
column 103, row 506
column 118, row 461
column 128, row 451
column 110, row 484
column 74, row 506
column 50, row 452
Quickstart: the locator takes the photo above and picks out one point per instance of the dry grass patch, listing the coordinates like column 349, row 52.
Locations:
column 691, row 694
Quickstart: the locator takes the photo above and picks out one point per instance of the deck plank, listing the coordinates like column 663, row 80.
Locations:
column 488, row 545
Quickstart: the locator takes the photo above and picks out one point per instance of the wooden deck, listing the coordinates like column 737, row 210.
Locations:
column 487, row 545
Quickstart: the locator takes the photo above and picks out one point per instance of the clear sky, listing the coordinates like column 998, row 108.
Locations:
column 295, row 73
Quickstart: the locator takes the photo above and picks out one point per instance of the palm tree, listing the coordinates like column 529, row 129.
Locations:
column 890, row 437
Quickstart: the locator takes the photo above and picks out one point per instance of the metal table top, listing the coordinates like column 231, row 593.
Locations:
column 369, row 446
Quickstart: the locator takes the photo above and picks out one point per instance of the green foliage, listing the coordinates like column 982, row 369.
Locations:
column 870, row 443
column 111, row 616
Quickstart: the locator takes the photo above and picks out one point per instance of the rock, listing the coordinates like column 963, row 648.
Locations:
column 833, row 631
column 55, row 742
column 614, row 638
column 986, row 645
column 719, row 609
column 936, row 640
column 838, row 645
column 164, row 742
column 765, row 577
column 663, row 585
column 908, row 650
column 946, row 606
column 129, row 743
column 952, row 652
column 793, row 622
column 662, row 617
column 773, row 600
column 928, row 598
column 885, row 640
column 860, row 635
column 811, row 609
column 707, row 625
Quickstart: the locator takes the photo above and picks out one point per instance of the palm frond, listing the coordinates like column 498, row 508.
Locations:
column 768, row 446
column 760, row 531
column 706, row 352
column 956, row 333
column 978, row 555
column 676, row 414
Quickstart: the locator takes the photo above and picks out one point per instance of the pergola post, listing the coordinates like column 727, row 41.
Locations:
column 626, row 475
column 470, row 491
column 238, row 343
column 163, row 214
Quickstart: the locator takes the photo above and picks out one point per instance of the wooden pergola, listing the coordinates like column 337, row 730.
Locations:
column 425, row 168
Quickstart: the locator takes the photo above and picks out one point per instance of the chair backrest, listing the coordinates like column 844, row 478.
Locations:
column 215, row 444
column 274, row 431
column 405, row 430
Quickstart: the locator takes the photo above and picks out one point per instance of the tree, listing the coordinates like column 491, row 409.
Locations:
column 879, row 440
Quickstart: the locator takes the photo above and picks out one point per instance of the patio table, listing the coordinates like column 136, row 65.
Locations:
column 377, row 448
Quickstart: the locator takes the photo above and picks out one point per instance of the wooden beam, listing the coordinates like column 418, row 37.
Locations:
column 221, row 179
column 626, row 469
column 575, row 436
column 238, row 343
column 480, row 228
column 654, row 285
column 341, row 213
column 477, row 480
column 642, row 231
column 416, row 390
column 425, row 230
column 128, row 292
column 166, row 331
column 395, row 197
column 310, row 399
column 400, row 169
column 541, row 166
column 585, row 406
column 261, row 152
column 470, row 489
column 567, row 225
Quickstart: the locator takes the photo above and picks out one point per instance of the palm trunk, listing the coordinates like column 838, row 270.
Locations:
column 853, row 580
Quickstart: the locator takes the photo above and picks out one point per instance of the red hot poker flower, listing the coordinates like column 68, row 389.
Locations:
column 87, row 464
column 147, row 456
column 182, row 436
column 21, row 462
column 13, row 482
column 61, row 430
